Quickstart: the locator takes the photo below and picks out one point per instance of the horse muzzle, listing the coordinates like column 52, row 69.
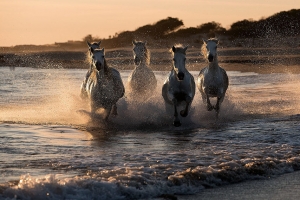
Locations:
column 137, row 60
column 180, row 76
column 98, row 65
column 210, row 58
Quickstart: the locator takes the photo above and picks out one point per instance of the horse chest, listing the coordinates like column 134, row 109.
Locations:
column 180, row 90
column 212, row 77
column 139, row 77
column 212, row 85
column 142, row 79
column 101, row 91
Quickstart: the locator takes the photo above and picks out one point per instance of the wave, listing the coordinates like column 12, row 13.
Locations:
column 143, row 182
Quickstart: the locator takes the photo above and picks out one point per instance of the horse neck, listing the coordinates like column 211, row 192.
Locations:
column 142, row 65
column 212, row 66
column 143, row 61
column 105, row 72
column 184, row 70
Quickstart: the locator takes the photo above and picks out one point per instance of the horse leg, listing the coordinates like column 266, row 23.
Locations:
column 93, row 109
column 107, row 112
column 176, row 121
column 218, row 104
column 114, row 110
column 185, row 112
column 208, row 104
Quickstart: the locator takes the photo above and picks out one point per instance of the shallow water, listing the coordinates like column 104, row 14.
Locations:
column 51, row 149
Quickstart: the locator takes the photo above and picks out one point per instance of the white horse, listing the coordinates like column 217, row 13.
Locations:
column 104, row 86
column 179, row 87
column 142, row 80
column 212, row 80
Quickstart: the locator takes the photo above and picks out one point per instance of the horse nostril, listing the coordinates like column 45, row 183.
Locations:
column 210, row 58
column 137, row 60
column 98, row 65
column 180, row 76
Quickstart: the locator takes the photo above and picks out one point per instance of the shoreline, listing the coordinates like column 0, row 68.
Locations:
column 285, row 186
column 267, row 60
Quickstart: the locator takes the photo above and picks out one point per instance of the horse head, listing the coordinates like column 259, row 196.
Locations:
column 98, row 59
column 179, row 61
column 140, row 52
column 210, row 49
column 94, row 45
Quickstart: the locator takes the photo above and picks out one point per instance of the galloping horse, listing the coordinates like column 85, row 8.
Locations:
column 104, row 86
column 212, row 80
column 142, row 80
column 179, row 87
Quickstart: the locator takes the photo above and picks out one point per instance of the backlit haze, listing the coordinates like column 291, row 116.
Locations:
column 48, row 21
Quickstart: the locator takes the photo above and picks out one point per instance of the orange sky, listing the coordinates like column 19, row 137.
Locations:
column 49, row 21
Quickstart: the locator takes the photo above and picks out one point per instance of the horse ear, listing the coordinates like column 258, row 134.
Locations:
column 185, row 48
column 204, row 41
column 173, row 49
column 102, row 50
column 99, row 43
column 134, row 42
column 89, row 44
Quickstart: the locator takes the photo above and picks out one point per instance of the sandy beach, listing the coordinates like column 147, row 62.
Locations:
column 286, row 186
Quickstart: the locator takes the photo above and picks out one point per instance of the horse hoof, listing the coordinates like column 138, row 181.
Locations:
column 210, row 108
column 183, row 114
column 176, row 123
column 114, row 114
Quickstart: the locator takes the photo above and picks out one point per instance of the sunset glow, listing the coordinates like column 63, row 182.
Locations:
column 49, row 21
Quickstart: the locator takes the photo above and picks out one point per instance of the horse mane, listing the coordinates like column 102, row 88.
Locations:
column 147, row 55
column 203, row 47
column 179, row 48
column 146, row 51
column 88, row 58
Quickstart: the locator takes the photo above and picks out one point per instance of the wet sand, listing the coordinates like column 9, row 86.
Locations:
column 286, row 186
